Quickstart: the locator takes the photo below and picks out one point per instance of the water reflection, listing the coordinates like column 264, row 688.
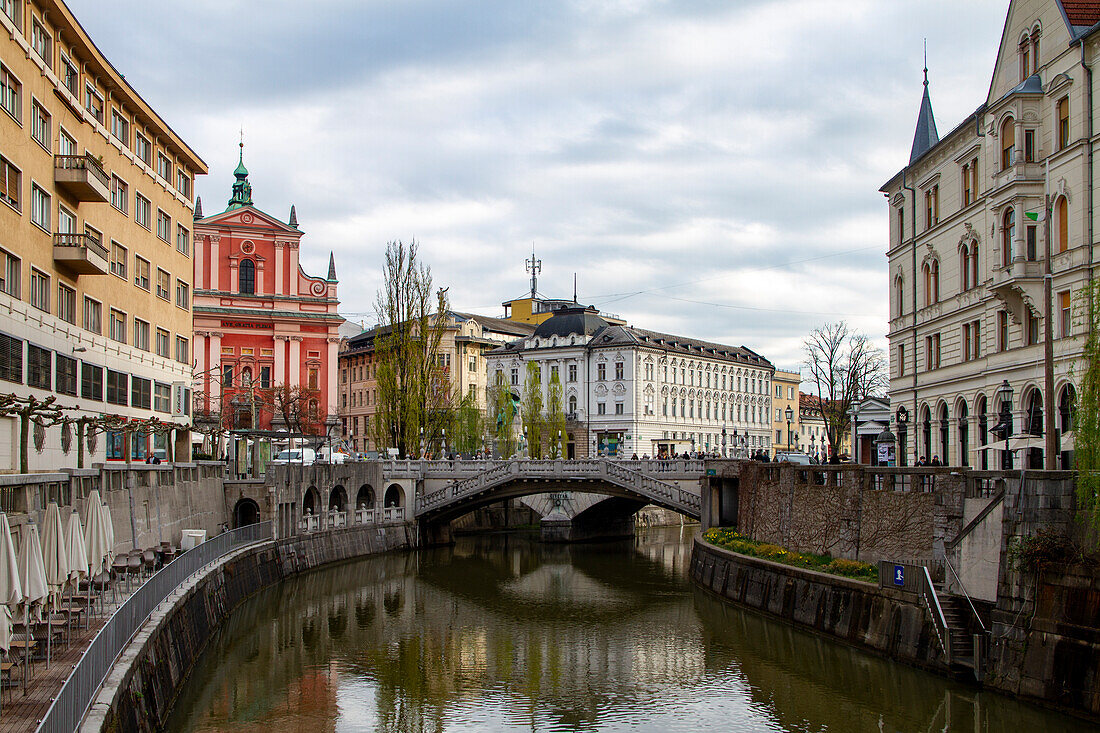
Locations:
column 499, row 633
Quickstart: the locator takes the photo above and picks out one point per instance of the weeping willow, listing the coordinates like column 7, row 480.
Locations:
column 1086, row 419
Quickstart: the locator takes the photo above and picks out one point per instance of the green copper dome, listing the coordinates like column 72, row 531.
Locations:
column 242, row 189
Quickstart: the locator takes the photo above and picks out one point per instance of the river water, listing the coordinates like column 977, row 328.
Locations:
column 501, row 633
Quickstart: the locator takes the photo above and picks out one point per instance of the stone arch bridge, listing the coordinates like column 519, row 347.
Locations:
column 432, row 493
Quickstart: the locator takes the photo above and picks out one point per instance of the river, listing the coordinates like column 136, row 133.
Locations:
column 500, row 632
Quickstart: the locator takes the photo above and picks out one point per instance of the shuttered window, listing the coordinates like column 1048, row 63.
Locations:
column 39, row 366
column 118, row 387
column 65, row 375
column 91, row 382
column 141, row 393
column 11, row 359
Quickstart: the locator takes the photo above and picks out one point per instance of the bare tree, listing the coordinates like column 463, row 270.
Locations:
column 296, row 405
column 844, row 367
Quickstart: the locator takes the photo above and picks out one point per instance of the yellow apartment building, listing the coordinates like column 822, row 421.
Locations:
column 95, row 246
column 785, row 386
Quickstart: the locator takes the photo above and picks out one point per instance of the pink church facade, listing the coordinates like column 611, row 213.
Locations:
column 260, row 322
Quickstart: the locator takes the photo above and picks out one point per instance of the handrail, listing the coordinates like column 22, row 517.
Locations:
column 78, row 693
column 996, row 499
column 939, row 621
column 965, row 594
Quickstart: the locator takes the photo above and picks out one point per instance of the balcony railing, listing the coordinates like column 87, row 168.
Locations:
column 83, row 177
column 83, row 254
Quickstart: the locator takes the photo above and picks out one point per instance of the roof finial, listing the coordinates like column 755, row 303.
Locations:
column 534, row 266
column 198, row 207
column 293, row 217
column 331, row 267
column 242, row 189
column 926, row 62
column 574, row 288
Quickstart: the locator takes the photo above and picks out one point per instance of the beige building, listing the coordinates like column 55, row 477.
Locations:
column 785, row 387
column 968, row 247
column 95, row 242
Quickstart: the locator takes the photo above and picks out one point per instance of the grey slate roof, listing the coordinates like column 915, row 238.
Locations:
column 925, row 137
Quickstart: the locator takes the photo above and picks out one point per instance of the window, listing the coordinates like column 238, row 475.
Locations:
column 92, row 315
column 141, row 272
column 65, row 375
column 971, row 340
column 120, row 195
column 183, row 240
column 39, row 367
column 932, row 352
column 141, row 334
column 1029, row 146
column 10, row 183
column 265, row 377
column 66, row 221
column 932, row 207
column 162, row 397
column 93, row 102
column 164, row 226
column 66, row 303
column 11, row 9
column 40, row 207
column 618, row 370
column 1063, row 123
column 142, row 207
column 11, row 94
column 40, row 290
column 40, row 125
column 41, row 42
column 91, row 382
column 120, row 127
column 1064, row 311
column 1032, row 330
column 1008, row 234
column 66, row 145
column 183, row 294
column 618, row 408
column 515, row 377
column 1062, row 211
column 141, row 392
column 164, row 168
column 70, row 77
column 601, row 408
column 183, row 353
column 118, row 387
column 162, row 343
column 601, row 372
column 118, row 259
column 11, row 359
column 931, row 282
column 164, row 282
column 901, row 360
column 183, row 183
column 142, row 149
column 572, row 372
column 1025, row 58
column 1008, row 143
column 117, row 326
column 554, row 371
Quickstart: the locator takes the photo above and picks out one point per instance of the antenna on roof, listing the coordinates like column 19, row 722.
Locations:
column 574, row 288
column 926, row 62
column 534, row 267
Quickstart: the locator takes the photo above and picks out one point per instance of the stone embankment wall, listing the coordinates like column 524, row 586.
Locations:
column 144, row 684
column 880, row 620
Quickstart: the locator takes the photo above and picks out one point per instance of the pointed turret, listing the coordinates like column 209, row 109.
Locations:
column 331, row 267
column 293, row 217
column 925, row 137
column 242, row 189
column 198, row 208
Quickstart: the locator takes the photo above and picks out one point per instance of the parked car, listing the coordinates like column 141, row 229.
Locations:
column 302, row 456
column 796, row 457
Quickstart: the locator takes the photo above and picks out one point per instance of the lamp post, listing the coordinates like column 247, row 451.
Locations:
column 1004, row 393
column 559, row 445
column 421, row 442
column 724, row 455
column 443, row 448
column 790, row 415
column 813, row 444
column 902, row 416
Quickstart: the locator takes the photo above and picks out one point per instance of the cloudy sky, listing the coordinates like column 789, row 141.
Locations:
column 707, row 168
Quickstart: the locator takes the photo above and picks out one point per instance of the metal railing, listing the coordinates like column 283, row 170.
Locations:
column 939, row 621
column 79, row 691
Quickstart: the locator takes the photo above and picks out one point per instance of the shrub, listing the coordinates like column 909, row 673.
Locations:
column 732, row 540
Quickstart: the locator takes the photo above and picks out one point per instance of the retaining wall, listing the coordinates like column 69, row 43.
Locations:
column 875, row 619
column 144, row 684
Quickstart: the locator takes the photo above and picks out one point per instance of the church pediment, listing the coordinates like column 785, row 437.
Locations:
column 248, row 216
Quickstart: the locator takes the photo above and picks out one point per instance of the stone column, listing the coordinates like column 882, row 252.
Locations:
column 332, row 375
column 259, row 276
column 214, row 365
column 280, row 360
column 215, row 262
column 294, row 369
column 280, row 250
column 1019, row 242
column 198, row 252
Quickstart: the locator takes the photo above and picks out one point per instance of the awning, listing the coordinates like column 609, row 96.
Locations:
column 1018, row 442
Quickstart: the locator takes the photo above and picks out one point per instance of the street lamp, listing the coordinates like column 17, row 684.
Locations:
column 790, row 415
column 559, row 445
column 902, row 416
column 724, row 454
column 1004, row 393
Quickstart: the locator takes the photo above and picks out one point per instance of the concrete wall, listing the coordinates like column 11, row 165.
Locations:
column 978, row 556
column 144, row 684
column 880, row 620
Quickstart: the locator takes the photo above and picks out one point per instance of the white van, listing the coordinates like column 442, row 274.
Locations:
column 298, row 456
column 328, row 455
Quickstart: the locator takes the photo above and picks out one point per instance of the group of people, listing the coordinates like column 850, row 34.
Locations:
column 924, row 461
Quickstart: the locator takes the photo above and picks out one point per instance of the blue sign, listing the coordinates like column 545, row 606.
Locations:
column 899, row 575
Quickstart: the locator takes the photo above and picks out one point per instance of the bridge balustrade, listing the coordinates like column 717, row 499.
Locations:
column 393, row 514
column 310, row 523
column 364, row 516
column 337, row 520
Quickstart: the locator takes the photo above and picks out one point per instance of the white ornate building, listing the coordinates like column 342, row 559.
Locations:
column 628, row 390
column 968, row 247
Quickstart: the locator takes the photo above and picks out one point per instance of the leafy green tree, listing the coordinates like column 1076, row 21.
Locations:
column 469, row 425
column 414, row 388
column 534, row 422
column 1086, row 414
column 504, row 412
column 555, row 414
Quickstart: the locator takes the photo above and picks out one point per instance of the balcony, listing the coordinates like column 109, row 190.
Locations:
column 82, row 177
column 1019, row 286
column 82, row 254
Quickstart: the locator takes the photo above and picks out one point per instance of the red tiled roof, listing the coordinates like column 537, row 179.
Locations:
column 1082, row 12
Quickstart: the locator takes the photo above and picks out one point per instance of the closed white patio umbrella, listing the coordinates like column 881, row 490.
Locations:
column 109, row 527
column 11, row 590
column 78, row 554
column 95, row 536
column 32, row 576
column 55, row 564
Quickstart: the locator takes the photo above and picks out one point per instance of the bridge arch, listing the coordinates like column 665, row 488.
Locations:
column 246, row 512
column 395, row 496
column 311, row 502
column 364, row 498
column 338, row 498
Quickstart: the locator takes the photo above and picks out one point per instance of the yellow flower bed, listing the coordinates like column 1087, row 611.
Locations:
column 731, row 540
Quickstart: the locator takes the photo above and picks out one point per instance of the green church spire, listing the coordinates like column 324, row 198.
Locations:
column 242, row 189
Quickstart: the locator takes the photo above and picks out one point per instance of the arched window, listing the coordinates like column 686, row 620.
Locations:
column 973, row 264
column 1008, row 235
column 1025, row 58
column 1062, row 211
column 899, row 292
column 247, row 277
column 931, row 282
column 964, row 268
column 572, row 405
column 1008, row 143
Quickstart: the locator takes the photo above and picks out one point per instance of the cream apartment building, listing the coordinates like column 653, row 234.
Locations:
column 95, row 243
column 967, row 246
column 785, row 386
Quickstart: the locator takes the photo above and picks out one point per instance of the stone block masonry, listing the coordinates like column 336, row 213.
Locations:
column 141, row 689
